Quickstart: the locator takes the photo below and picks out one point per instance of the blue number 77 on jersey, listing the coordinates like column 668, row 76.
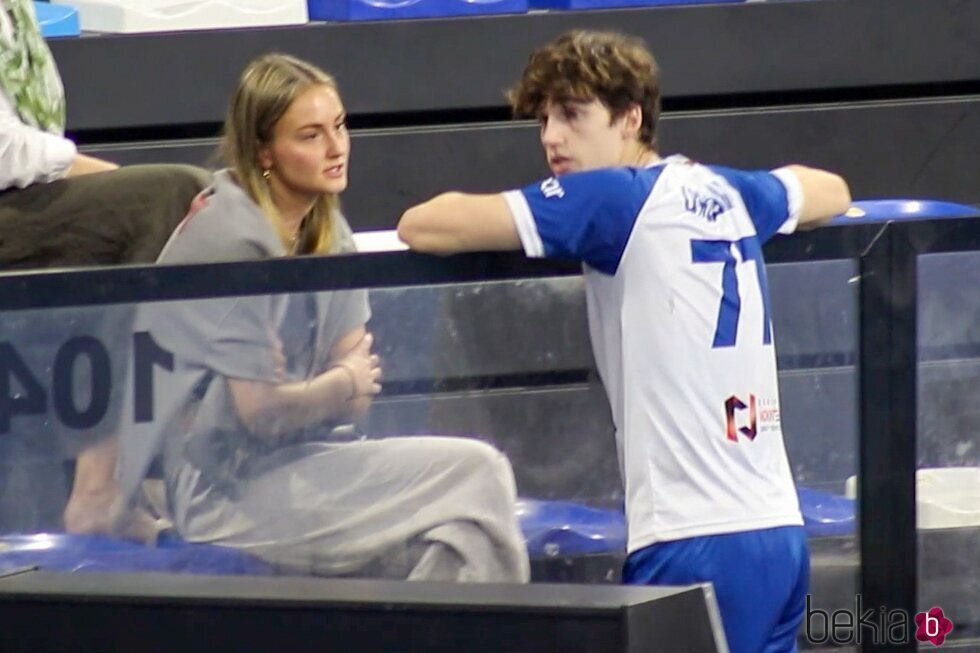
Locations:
column 720, row 251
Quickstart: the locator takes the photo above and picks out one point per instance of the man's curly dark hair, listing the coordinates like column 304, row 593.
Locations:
column 581, row 66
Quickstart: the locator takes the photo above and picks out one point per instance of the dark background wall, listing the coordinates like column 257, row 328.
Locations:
column 885, row 91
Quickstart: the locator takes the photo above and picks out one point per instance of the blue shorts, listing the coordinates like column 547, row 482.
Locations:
column 760, row 578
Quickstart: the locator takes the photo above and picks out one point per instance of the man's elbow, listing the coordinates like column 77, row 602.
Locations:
column 410, row 229
column 836, row 201
column 841, row 194
column 826, row 196
column 414, row 231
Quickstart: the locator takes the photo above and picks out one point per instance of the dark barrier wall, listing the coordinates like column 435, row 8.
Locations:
column 910, row 149
column 885, row 91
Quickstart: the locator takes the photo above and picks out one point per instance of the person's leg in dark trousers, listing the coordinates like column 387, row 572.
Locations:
column 107, row 218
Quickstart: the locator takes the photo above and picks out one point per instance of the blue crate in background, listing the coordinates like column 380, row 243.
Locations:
column 57, row 20
column 613, row 4
column 347, row 10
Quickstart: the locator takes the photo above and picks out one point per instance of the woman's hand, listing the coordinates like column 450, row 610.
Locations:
column 341, row 394
column 363, row 369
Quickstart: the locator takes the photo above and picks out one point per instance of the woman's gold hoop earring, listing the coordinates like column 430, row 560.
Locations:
column 267, row 173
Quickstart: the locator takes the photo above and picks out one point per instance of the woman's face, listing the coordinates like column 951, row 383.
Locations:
column 308, row 153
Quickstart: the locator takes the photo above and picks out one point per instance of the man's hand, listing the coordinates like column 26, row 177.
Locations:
column 86, row 165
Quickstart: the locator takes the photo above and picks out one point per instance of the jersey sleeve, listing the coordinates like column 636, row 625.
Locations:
column 587, row 216
column 772, row 199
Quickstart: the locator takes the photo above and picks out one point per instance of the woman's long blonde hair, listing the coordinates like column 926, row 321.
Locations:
column 267, row 88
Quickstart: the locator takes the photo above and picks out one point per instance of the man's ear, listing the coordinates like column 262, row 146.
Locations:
column 632, row 121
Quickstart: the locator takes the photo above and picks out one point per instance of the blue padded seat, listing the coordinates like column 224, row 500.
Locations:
column 63, row 552
column 826, row 514
column 565, row 528
column 552, row 529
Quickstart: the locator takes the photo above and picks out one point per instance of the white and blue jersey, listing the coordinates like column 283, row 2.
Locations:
column 680, row 325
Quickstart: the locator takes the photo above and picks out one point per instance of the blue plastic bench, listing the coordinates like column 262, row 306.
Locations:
column 63, row 552
column 552, row 530
column 564, row 528
column 896, row 209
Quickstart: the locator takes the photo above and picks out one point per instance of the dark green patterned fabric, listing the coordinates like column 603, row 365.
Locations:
column 28, row 75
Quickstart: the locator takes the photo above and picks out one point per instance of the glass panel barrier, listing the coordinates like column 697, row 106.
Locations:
column 948, row 458
column 815, row 315
column 507, row 363
column 248, row 442
column 62, row 372
column 214, row 450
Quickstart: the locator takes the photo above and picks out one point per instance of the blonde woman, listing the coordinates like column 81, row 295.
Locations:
column 255, row 376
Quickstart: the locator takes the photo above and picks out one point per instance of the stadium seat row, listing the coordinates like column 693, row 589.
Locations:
column 68, row 17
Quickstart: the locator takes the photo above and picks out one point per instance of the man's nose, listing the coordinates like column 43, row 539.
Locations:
column 550, row 133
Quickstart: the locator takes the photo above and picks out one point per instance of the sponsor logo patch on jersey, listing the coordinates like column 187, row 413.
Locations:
column 708, row 203
column 750, row 417
column 552, row 188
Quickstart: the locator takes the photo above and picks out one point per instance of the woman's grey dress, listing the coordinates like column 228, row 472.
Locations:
column 434, row 508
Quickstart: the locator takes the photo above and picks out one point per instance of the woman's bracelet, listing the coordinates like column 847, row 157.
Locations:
column 353, row 378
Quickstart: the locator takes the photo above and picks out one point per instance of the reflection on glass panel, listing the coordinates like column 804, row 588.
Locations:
column 60, row 375
column 948, row 477
column 815, row 315
column 511, row 363
column 249, row 439
column 247, row 429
